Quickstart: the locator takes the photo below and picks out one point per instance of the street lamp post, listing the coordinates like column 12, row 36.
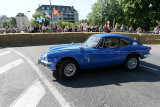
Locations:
column 51, row 15
column 29, row 14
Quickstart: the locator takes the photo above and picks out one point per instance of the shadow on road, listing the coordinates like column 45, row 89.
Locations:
column 109, row 76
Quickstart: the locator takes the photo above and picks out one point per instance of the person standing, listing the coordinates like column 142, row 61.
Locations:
column 65, row 29
column 49, row 28
column 54, row 29
column 36, row 29
column 156, row 30
column 59, row 29
column 75, row 28
column 93, row 28
column 80, row 29
column 122, row 28
column 89, row 29
column 85, row 28
column 139, row 30
column 101, row 28
column 97, row 28
column 116, row 29
column 43, row 29
column 70, row 29
column 131, row 29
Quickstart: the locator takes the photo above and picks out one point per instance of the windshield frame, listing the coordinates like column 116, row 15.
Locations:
column 97, row 41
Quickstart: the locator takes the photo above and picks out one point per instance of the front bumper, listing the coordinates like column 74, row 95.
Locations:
column 47, row 64
column 40, row 61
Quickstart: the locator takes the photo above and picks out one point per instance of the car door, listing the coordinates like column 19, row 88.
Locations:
column 107, row 53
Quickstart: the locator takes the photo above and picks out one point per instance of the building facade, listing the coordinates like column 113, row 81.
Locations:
column 67, row 13
column 22, row 20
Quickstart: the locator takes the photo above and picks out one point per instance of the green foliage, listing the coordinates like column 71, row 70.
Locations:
column 105, row 10
column 5, row 23
column 83, row 21
column 12, row 22
column 63, row 24
column 144, row 13
column 34, row 21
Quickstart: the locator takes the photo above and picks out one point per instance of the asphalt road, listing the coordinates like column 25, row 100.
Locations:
column 24, row 82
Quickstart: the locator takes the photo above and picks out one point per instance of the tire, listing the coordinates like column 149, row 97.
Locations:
column 131, row 63
column 68, row 69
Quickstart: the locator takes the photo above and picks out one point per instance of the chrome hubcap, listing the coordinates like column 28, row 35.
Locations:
column 70, row 69
column 132, row 63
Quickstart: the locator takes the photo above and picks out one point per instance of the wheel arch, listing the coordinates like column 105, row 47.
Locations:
column 66, row 58
column 134, row 53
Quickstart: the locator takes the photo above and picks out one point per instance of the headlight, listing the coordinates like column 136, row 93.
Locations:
column 46, row 57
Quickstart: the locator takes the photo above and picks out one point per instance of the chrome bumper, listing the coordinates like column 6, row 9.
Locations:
column 147, row 55
column 43, row 62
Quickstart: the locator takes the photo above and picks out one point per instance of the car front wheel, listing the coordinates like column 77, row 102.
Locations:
column 68, row 69
column 131, row 63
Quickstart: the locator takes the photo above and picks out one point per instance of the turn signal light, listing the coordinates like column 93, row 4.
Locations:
column 150, row 48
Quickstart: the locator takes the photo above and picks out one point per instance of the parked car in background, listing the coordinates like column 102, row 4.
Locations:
column 99, row 50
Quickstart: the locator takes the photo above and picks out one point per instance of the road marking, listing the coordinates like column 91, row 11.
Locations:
column 31, row 97
column 10, row 65
column 149, row 67
column 4, row 53
column 50, row 86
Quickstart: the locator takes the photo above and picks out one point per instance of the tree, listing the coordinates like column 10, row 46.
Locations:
column 63, row 24
column 5, row 23
column 144, row 13
column 34, row 21
column 13, row 21
column 105, row 10
column 83, row 21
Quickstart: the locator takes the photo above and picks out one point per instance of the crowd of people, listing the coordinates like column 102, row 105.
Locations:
column 75, row 28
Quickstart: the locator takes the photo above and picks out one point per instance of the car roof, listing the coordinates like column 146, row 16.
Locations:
column 113, row 35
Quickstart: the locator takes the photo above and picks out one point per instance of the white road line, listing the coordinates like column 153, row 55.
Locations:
column 31, row 97
column 50, row 86
column 4, row 53
column 149, row 67
column 10, row 65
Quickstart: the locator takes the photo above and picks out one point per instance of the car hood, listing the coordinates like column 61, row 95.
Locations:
column 66, row 47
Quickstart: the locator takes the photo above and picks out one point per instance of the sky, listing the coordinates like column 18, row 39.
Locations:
column 12, row 7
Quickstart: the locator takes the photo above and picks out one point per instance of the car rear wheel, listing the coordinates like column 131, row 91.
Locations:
column 131, row 63
column 68, row 69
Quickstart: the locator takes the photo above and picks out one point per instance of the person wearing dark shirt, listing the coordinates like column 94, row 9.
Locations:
column 54, row 28
column 36, row 28
column 97, row 28
column 89, row 29
column 75, row 29
column 70, row 29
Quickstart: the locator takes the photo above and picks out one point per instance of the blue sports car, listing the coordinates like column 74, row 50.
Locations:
column 99, row 50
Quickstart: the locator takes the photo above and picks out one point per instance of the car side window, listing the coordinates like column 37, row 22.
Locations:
column 100, row 46
column 124, row 42
column 109, row 43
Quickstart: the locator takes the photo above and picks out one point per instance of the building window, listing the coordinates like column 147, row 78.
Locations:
column 43, row 8
column 48, row 8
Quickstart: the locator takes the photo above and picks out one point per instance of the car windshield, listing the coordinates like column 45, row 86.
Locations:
column 92, row 41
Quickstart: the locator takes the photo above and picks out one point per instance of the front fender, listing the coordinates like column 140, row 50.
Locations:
column 84, row 60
